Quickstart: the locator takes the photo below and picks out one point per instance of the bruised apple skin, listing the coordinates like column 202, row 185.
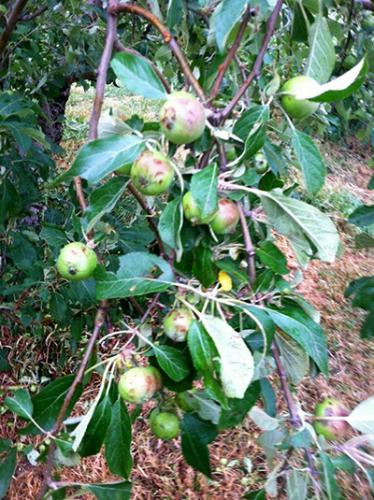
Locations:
column 182, row 118
column 226, row 218
column 331, row 429
column 192, row 212
column 76, row 262
column 177, row 323
column 164, row 425
column 298, row 108
column 152, row 173
column 139, row 384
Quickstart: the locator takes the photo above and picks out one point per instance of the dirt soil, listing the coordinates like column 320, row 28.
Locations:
column 159, row 470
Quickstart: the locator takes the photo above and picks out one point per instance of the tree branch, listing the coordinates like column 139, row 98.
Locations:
column 150, row 213
column 99, row 322
column 121, row 48
column 11, row 23
column 295, row 418
column 231, row 54
column 251, row 269
column 33, row 15
column 168, row 39
column 257, row 65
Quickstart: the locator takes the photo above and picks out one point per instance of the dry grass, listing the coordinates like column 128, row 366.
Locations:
column 159, row 469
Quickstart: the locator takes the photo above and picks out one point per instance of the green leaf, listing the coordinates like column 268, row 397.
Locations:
column 272, row 257
column 175, row 13
column 338, row 88
column 203, row 267
column 111, row 491
column 47, row 403
column 255, row 495
column 170, row 225
column 297, row 485
column 362, row 291
column 310, row 160
column 364, row 240
column 96, row 429
column 225, row 17
column 321, row 60
column 201, row 347
column 103, row 200
column 275, row 158
column 298, row 325
column 331, row 486
column 362, row 417
column 236, row 360
column 362, row 216
column 309, row 230
column 101, row 157
column 206, row 407
column 172, row 361
column 250, row 128
column 294, row 358
column 118, row 441
column 20, row 404
column 140, row 273
column 138, row 76
column 239, row 408
column 7, row 468
column 204, row 190
column 196, row 435
column 22, row 252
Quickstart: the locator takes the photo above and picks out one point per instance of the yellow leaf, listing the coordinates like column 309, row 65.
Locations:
column 225, row 281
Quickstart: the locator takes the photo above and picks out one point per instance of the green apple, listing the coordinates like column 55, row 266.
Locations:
column 139, row 384
column 152, row 173
column 177, row 323
column 331, row 429
column 226, row 218
column 261, row 164
column 125, row 169
column 164, row 425
column 186, row 401
column 76, row 262
column 294, row 107
column 182, row 118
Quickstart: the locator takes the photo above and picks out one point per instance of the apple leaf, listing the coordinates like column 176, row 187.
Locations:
column 336, row 89
column 118, row 441
column 139, row 273
column 237, row 366
column 138, row 76
column 170, row 225
column 310, row 160
column 101, row 157
column 196, row 435
column 104, row 199
column 172, row 361
column 309, row 230
column 321, row 59
column 204, row 189
column 20, row 404
column 7, row 467
column 362, row 417
column 224, row 19
column 111, row 491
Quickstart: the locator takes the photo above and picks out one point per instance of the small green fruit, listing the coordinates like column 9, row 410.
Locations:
column 261, row 164
column 331, row 429
column 182, row 118
column 164, row 425
column 76, row 262
column 298, row 108
column 192, row 212
column 226, row 218
column 152, row 173
column 139, row 384
column 349, row 62
column 177, row 323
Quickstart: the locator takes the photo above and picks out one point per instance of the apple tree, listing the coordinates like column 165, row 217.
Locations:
column 195, row 277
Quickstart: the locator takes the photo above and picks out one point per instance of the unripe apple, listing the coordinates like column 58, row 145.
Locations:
column 192, row 212
column 164, row 425
column 226, row 218
column 152, row 173
column 177, row 323
column 76, row 262
column 182, row 118
column 261, row 164
column 139, row 384
column 331, row 429
column 298, row 108
column 125, row 169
